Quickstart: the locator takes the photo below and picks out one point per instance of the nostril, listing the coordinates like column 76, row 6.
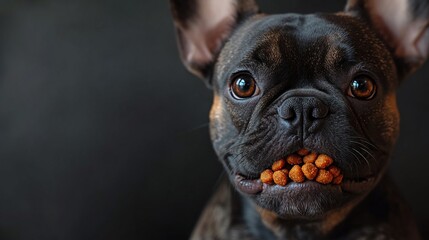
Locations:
column 287, row 113
column 320, row 112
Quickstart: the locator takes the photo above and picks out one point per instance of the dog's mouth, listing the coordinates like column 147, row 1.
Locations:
column 303, row 170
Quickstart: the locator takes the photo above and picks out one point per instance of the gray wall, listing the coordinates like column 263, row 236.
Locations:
column 101, row 128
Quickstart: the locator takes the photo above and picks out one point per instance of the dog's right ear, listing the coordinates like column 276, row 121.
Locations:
column 203, row 26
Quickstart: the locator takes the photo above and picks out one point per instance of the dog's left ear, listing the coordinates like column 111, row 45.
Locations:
column 203, row 26
column 402, row 24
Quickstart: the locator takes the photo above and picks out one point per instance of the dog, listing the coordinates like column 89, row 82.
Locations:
column 324, row 83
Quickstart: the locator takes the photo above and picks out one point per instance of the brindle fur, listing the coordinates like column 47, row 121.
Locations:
column 303, row 63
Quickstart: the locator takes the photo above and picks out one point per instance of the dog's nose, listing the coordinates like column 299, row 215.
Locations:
column 308, row 112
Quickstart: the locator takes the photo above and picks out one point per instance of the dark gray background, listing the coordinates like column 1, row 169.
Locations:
column 103, row 134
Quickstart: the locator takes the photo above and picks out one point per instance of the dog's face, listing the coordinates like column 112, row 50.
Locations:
column 290, row 84
column 326, row 83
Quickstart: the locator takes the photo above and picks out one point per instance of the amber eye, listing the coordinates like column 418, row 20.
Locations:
column 243, row 86
column 362, row 88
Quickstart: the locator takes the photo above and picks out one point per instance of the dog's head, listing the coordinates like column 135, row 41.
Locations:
column 322, row 82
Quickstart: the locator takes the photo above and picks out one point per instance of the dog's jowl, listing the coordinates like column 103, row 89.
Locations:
column 304, row 116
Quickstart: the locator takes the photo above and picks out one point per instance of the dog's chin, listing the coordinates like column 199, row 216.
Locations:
column 303, row 201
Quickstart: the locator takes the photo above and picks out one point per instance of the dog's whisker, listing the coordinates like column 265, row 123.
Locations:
column 361, row 144
column 363, row 157
column 338, row 150
column 355, row 164
column 350, row 165
column 372, row 156
column 364, row 147
column 196, row 128
column 365, row 141
column 368, row 152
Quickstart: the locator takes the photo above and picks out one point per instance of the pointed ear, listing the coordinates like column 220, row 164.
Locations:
column 203, row 26
column 402, row 24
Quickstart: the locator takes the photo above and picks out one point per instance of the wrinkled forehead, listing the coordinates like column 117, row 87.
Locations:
column 310, row 44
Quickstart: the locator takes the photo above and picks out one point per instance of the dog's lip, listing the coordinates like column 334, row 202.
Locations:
column 255, row 186
column 249, row 186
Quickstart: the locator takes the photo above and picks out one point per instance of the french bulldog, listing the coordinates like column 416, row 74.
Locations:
column 325, row 83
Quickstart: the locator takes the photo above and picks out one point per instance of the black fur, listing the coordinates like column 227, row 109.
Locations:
column 303, row 66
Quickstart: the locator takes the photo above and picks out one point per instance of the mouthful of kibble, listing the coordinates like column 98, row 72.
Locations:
column 303, row 166
column 302, row 170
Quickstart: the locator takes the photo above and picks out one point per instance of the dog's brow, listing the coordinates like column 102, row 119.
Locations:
column 269, row 51
column 335, row 53
column 333, row 57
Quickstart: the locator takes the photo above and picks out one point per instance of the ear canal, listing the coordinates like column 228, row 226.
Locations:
column 402, row 24
column 203, row 26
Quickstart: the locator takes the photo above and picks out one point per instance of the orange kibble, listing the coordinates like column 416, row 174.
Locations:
column 280, row 178
column 267, row 176
column 303, row 152
column 285, row 171
column 294, row 159
column 310, row 158
column 296, row 174
column 335, row 171
column 324, row 177
column 277, row 165
column 338, row 180
column 309, row 170
column 323, row 161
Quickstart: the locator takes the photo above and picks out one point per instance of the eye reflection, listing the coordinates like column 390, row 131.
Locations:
column 362, row 88
column 243, row 86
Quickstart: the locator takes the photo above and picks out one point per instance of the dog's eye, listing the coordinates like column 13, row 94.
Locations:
column 243, row 86
column 362, row 88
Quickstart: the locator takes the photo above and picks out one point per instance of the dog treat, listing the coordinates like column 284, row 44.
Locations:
column 337, row 180
column 335, row 171
column 323, row 161
column 309, row 170
column 280, row 178
column 296, row 174
column 277, row 165
column 303, row 152
column 285, row 171
column 324, row 177
column 294, row 159
column 267, row 176
column 310, row 158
